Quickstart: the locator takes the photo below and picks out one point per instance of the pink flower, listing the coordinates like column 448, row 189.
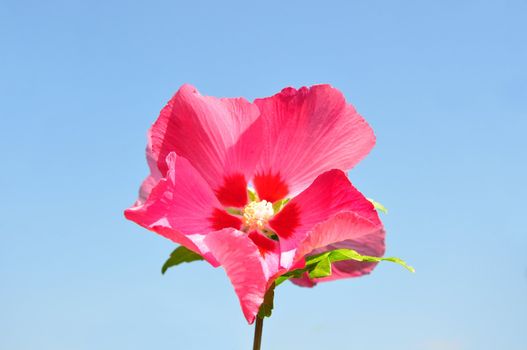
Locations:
column 203, row 152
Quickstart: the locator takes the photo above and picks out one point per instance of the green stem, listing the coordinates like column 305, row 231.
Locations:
column 258, row 328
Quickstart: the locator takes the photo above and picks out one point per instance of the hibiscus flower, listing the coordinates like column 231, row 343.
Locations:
column 258, row 188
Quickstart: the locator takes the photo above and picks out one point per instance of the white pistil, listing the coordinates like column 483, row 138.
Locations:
column 257, row 214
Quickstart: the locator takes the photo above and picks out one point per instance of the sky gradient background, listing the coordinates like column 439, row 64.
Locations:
column 443, row 84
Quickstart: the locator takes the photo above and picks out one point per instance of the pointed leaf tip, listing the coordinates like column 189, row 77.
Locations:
column 180, row 255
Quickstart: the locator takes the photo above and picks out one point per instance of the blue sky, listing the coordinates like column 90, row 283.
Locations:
column 443, row 84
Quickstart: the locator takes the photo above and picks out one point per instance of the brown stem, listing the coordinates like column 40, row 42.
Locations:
column 258, row 328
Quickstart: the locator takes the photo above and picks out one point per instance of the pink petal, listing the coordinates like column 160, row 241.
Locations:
column 270, row 252
column 372, row 244
column 308, row 131
column 146, row 187
column 221, row 138
column 368, row 239
column 181, row 207
column 346, row 229
column 248, row 271
column 150, row 181
column 329, row 211
column 304, row 281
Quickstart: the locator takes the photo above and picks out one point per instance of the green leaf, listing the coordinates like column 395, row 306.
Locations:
column 321, row 269
column 378, row 206
column 350, row 254
column 266, row 309
column 319, row 265
column 291, row 274
column 180, row 255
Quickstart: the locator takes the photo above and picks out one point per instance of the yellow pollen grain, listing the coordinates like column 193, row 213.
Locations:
column 257, row 214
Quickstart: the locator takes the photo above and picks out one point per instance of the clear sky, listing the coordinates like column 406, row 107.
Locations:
column 443, row 84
